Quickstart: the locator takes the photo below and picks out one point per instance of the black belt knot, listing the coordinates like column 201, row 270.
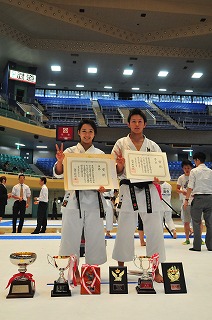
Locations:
column 141, row 185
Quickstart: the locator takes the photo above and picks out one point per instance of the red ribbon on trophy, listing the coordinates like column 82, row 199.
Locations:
column 72, row 271
column 17, row 276
column 96, row 276
column 155, row 262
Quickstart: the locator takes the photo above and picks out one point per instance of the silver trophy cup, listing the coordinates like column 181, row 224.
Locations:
column 61, row 287
column 22, row 284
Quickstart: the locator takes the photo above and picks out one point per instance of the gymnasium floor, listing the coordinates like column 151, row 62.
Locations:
column 195, row 304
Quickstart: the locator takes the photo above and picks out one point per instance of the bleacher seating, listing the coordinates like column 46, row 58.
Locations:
column 176, row 170
column 46, row 165
column 67, row 111
column 129, row 104
column 16, row 165
column 175, row 107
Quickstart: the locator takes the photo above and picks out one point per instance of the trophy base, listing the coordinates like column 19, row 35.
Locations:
column 61, row 290
column 145, row 287
column 21, row 289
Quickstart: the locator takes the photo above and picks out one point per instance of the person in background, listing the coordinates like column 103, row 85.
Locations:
column 141, row 231
column 182, row 184
column 200, row 185
column 108, row 212
column 166, row 192
column 3, row 196
column 21, row 193
column 42, row 202
column 54, row 210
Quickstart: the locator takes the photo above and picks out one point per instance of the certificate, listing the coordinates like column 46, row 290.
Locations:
column 146, row 165
column 83, row 171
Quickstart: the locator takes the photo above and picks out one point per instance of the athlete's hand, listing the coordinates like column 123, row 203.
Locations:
column 120, row 161
column 102, row 189
column 59, row 153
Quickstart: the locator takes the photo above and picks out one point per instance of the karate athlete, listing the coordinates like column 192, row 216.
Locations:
column 109, row 212
column 166, row 191
column 130, row 204
column 82, row 209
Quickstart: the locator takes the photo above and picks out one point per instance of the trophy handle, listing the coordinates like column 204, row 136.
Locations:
column 50, row 260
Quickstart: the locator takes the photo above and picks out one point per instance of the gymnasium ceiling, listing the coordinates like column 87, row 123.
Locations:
column 148, row 36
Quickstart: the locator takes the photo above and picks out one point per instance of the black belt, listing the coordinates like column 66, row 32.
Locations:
column 107, row 198
column 140, row 185
column 101, row 208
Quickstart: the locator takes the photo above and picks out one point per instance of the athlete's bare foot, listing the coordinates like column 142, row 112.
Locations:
column 158, row 276
column 174, row 234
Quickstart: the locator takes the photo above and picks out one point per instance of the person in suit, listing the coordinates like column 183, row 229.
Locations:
column 21, row 193
column 3, row 196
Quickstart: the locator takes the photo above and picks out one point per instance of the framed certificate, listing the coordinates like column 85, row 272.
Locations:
column 146, row 165
column 83, row 171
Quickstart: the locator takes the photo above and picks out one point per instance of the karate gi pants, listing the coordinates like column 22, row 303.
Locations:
column 72, row 226
column 128, row 219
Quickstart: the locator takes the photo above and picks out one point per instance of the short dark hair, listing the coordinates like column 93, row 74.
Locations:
column 43, row 179
column 87, row 121
column 186, row 162
column 137, row 111
column 3, row 178
column 21, row 175
column 200, row 156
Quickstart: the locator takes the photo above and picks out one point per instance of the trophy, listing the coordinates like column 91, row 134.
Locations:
column 62, row 263
column 22, row 284
column 147, row 265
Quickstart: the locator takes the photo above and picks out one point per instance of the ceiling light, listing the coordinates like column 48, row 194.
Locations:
column 41, row 147
column 92, row 70
column 107, row 87
column 163, row 73
column 188, row 90
column 51, row 84
column 80, row 85
column 197, row 75
column 187, row 150
column 162, row 90
column 56, row 68
column 128, row 72
column 135, row 88
column 20, row 144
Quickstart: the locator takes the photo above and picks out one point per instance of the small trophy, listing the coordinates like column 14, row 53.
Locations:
column 147, row 265
column 61, row 285
column 22, row 284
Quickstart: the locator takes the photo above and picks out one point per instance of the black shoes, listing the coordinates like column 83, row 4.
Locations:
column 192, row 249
column 35, row 232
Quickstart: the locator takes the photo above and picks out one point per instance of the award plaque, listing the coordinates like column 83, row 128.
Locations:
column 118, row 280
column 22, row 284
column 173, row 276
column 90, row 279
column 147, row 265
column 61, row 285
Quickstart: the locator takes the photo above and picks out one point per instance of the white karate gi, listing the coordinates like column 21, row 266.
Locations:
column 166, row 191
column 72, row 224
column 128, row 218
